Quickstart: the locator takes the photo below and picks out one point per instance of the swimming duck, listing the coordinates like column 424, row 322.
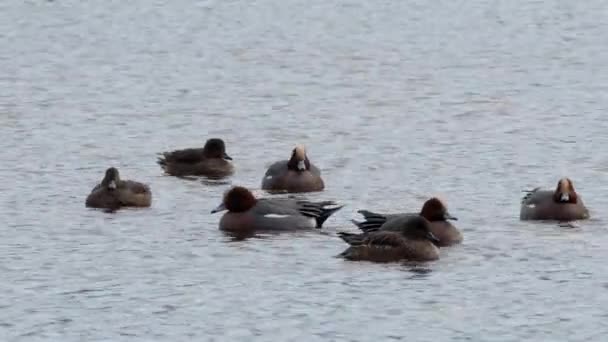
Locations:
column 434, row 210
column 561, row 204
column 297, row 174
column 211, row 161
column 413, row 241
column 248, row 214
column 114, row 193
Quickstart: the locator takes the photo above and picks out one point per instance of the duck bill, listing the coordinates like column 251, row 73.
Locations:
column 448, row 216
column 112, row 185
column 432, row 238
column 219, row 208
column 302, row 165
column 226, row 156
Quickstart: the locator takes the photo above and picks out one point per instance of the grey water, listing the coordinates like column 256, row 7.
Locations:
column 396, row 101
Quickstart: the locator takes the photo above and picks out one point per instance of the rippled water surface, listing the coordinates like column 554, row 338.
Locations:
column 395, row 100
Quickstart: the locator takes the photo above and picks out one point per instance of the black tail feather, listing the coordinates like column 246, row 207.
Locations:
column 162, row 160
column 528, row 194
column 370, row 228
column 357, row 223
column 326, row 213
column 373, row 221
column 370, row 225
column 369, row 214
column 352, row 239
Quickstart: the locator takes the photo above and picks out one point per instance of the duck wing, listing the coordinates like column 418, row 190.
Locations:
column 276, row 169
column 135, row 187
column 189, row 155
column 374, row 221
column 536, row 196
column 320, row 211
column 384, row 239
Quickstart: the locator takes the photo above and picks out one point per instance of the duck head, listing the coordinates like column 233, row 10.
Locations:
column 215, row 148
column 418, row 228
column 435, row 210
column 298, row 161
column 564, row 192
column 236, row 200
column 111, row 179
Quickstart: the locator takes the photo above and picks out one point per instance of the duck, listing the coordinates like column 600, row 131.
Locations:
column 211, row 161
column 114, row 193
column 413, row 241
column 434, row 210
column 247, row 214
column 561, row 204
column 295, row 175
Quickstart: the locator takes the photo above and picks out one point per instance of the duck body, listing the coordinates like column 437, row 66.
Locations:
column 114, row 193
column 413, row 241
column 295, row 175
column 211, row 161
column 434, row 210
column 561, row 204
column 245, row 213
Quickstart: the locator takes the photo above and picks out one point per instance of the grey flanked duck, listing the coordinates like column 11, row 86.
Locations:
column 434, row 210
column 246, row 213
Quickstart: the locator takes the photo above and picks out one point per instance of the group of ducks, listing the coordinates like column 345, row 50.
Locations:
column 383, row 237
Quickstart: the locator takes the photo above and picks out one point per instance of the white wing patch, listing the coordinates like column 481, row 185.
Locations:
column 268, row 177
column 275, row 216
column 531, row 206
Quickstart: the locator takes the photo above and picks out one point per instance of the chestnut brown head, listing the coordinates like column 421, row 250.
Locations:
column 298, row 161
column 435, row 210
column 237, row 200
column 564, row 192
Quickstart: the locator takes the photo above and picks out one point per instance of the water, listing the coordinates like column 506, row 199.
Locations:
column 396, row 101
